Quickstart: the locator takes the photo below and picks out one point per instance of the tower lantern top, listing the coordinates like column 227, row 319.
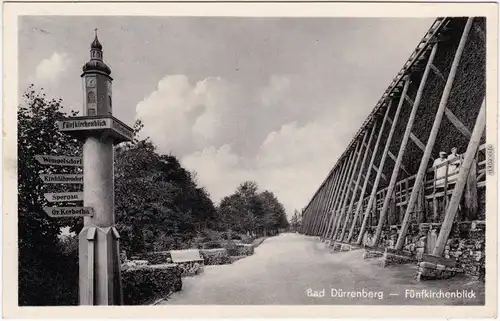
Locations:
column 96, row 63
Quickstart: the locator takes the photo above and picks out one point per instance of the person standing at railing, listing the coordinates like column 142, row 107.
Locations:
column 455, row 160
column 439, row 171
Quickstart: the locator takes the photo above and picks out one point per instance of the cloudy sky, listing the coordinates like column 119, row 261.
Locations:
column 272, row 100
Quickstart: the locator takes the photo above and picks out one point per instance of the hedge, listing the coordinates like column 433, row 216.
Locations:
column 215, row 256
column 146, row 284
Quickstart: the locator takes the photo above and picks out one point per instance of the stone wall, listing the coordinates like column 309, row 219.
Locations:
column 465, row 244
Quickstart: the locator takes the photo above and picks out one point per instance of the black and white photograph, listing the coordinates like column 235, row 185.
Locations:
column 232, row 160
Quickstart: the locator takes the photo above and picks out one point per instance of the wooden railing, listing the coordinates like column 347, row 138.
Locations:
column 435, row 188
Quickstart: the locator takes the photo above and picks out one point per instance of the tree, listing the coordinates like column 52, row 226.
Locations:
column 248, row 210
column 46, row 274
column 296, row 221
column 158, row 204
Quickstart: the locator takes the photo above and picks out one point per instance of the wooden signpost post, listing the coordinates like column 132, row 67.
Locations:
column 98, row 251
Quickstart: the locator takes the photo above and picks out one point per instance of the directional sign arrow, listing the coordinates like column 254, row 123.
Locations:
column 69, row 211
column 64, row 197
column 62, row 178
column 59, row 160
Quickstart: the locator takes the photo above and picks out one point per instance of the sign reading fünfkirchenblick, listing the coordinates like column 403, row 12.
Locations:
column 86, row 124
column 59, row 160
column 64, row 197
column 62, row 178
column 69, row 211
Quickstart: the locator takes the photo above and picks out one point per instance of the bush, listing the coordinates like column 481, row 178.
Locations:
column 244, row 249
column 215, row 256
column 161, row 257
column 146, row 284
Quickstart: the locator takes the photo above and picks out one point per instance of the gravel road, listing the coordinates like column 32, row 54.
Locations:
column 290, row 268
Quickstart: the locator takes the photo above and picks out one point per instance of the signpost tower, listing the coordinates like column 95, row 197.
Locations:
column 99, row 261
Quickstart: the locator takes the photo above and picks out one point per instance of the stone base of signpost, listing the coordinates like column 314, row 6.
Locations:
column 99, row 260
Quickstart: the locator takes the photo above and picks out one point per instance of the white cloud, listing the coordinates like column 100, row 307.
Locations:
column 183, row 118
column 276, row 91
column 50, row 69
column 203, row 124
column 219, row 170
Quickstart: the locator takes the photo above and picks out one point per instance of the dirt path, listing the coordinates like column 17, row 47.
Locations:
column 288, row 267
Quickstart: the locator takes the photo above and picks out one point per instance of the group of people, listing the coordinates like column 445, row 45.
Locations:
column 454, row 161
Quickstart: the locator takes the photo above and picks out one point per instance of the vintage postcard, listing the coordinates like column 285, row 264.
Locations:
column 250, row 159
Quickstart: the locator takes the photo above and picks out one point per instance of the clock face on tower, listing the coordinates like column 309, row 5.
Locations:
column 90, row 81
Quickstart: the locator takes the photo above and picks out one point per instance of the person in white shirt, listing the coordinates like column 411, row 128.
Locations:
column 440, row 172
column 455, row 161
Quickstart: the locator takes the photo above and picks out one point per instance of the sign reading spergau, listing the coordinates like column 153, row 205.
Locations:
column 62, row 178
column 64, row 197
column 69, row 211
column 59, row 160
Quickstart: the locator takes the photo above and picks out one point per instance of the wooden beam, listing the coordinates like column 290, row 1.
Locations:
column 408, row 99
column 382, row 175
column 433, row 134
column 414, row 138
column 372, row 199
column 350, row 176
column 368, row 174
column 438, row 72
column 417, row 141
column 457, row 123
column 469, row 159
column 391, row 155
column 343, row 187
column 358, row 180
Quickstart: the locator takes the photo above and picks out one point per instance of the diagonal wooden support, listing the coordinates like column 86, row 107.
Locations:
column 469, row 158
column 382, row 175
column 402, row 148
column 368, row 174
column 391, row 155
column 457, row 123
column 408, row 99
column 433, row 134
column 414, row 138
column 358, row 180
column 350, row 177
column 438, row 73
column 373, row 195
column 340, row 190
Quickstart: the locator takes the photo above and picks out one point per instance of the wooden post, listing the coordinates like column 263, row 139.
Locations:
column 333, row 199
column 471, row 203
column 380, row 169
column 461, row 181
column 333, row 196
column 329, row 200
column 345, row 193
column 321, row 209
column 317, row 209
column 406, row 137
column 342, row 187
column 358, row 180
column 432, row 137
column 344, row 214
column 367, row 176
